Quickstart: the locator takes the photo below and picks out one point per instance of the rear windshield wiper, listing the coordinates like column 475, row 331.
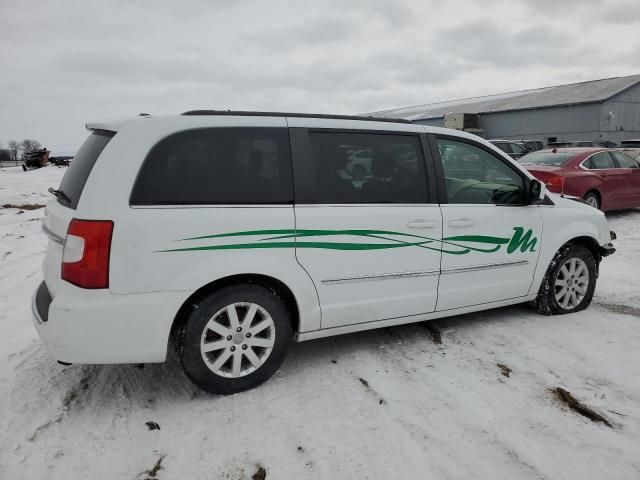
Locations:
column 59, row 194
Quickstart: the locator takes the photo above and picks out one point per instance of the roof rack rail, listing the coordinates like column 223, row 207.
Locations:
column 303, row 115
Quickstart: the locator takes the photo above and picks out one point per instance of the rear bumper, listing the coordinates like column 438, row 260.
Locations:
column 96, row 326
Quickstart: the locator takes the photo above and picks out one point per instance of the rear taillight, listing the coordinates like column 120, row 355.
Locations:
column 85, row 258
column 555, row 184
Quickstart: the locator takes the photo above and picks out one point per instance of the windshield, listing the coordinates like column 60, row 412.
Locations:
column 546, row 158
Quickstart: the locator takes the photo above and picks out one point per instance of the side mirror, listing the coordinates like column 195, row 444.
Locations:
column 536, row 192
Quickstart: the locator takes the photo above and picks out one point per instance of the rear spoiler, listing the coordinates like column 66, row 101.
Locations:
column 114, row 125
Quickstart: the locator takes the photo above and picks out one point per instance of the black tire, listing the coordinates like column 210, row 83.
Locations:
column 190, row 354
column 593, row 199
column 546, row 303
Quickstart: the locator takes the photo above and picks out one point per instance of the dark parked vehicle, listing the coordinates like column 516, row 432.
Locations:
column 605, row 179
column 513, row 149
column 35, row 159
column 61, row 161
column 630, row 143
column 532, row 145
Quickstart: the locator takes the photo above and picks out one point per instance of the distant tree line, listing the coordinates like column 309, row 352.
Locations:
column 12, row 152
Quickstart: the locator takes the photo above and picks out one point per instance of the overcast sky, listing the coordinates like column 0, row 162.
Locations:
column 66, row 63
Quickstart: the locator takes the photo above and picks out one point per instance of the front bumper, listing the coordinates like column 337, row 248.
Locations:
column 607, row 249
column 97, row 326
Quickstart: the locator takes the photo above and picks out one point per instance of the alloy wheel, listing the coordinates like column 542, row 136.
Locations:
column 572, row 282
column 237, row 340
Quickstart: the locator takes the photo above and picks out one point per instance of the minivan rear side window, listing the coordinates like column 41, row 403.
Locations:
column 353, row 167
column 85, row 158
column 217, row 166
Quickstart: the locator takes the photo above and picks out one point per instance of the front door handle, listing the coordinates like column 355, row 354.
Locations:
column 461, row 222
column 421, row 224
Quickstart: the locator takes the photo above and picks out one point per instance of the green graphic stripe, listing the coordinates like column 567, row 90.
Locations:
column 241, row 234
column 454, row 245
column 478, row 239
column 282, row 234
column 324, row 245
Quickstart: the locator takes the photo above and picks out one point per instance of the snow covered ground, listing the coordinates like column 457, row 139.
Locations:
column 384, row 404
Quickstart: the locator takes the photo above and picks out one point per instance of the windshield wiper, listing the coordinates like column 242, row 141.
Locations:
column 59, row 194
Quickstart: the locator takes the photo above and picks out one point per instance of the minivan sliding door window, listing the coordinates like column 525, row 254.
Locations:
column 354, row 167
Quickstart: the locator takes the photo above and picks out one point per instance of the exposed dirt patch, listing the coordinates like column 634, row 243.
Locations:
column 577, row 406
column 23, row 206
column 153, row 472
column 82, row 385
column 69, row 400
column 434, row 333
column 261, row 473
column 506, row 371
column 152, row 425
column 366, row 385
column 626, row 309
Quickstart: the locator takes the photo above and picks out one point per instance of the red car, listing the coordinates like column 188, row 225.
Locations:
column 605, row 178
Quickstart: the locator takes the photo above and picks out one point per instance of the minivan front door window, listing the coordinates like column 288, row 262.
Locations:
column 475, row 176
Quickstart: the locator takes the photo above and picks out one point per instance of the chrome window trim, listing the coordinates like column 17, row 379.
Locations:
column 595, row 169
column 280, row 205
column 210, row 205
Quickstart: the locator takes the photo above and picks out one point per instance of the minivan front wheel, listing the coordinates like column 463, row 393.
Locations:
column 569, row 283
column 236, row 339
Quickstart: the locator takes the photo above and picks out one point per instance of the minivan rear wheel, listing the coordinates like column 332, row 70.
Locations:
column 569, row 283
column 236, row 339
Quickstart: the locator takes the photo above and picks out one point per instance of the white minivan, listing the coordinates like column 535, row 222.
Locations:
column 229, row 234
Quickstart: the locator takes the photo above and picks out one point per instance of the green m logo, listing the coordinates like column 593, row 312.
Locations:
column 524, row 242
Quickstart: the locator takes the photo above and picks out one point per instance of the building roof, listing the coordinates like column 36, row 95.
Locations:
column 570, row 94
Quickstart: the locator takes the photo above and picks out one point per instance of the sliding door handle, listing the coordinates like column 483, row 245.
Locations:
column 461, row 222
column 421, row 224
